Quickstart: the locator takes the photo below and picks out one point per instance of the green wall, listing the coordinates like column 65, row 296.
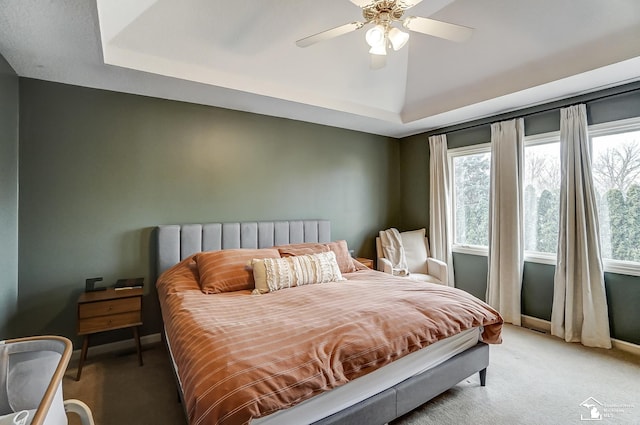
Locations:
column 414, row 177
column 623, row 292
column 471, row 273
column 537, row 290
column 99, row 169
column 8, row 197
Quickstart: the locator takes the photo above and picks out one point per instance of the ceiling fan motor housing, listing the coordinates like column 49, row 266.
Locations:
column 383, row 11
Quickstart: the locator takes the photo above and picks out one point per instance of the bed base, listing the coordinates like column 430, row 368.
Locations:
column 415, row 391
column 180, row 394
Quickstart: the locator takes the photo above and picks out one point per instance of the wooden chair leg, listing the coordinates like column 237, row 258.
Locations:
column 136, row 336
column 83, row 356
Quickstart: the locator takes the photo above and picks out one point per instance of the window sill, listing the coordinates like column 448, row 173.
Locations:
column 471, row 250
column 540, row 258
column 628, row 268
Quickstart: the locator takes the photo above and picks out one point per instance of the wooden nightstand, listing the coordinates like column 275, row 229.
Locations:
column 108, row 310
column 366, row 261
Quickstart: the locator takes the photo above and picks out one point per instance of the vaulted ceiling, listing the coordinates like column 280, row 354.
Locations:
column 242, row 55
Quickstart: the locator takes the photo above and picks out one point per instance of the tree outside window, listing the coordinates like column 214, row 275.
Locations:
column 616, row 175
column 541, row 197
column 471, row 180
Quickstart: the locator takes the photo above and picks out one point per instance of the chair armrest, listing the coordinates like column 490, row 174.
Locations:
column 438, row 269
column 80, row 409
column 385, row 265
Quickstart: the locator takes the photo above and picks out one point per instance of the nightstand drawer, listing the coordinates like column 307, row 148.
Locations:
column 104, row 308
column 366, row 262
column 107, row 323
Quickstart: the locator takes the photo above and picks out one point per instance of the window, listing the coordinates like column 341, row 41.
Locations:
column 616, row 177
column 470, row 169
column 541, row 193
column 615, row 158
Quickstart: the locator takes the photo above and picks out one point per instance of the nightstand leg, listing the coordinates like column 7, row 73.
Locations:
column 83, row 355
column 136, row 335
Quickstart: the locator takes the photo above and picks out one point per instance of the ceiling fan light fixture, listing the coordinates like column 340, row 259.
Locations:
column 376, row 36
column 380, row 50
column 398, row 38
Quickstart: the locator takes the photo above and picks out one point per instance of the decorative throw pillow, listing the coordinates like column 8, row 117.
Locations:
column 272, row 274
column 343, row 257
column 180, row 277
column 301, row 249
column 227, row 271
column 340, row 248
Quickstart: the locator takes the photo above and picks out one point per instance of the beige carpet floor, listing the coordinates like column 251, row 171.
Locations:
column 533, row 379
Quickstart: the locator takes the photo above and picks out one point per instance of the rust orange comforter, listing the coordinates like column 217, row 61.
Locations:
column 241, row 356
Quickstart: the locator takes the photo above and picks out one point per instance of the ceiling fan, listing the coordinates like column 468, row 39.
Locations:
column 382, row 14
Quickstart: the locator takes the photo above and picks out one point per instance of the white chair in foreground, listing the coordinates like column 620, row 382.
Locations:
column 31, row 372
column 416, row 250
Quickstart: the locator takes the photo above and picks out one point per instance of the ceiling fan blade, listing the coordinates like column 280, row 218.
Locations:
column 440, row 29
column 377, row 61
column 363, row 3
column 326, row 35
column 406, row 4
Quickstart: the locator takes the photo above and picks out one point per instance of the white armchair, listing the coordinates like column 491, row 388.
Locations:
column 416, row 250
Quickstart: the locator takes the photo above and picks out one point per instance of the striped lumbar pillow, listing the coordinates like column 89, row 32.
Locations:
column 272, row 274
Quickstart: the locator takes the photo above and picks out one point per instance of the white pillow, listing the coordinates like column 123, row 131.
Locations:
column 272, row 274
column 415, row 250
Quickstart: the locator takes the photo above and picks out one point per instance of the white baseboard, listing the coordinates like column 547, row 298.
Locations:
column 545, row 326
column 535, row 323
column 626, row 346
column 117, row 346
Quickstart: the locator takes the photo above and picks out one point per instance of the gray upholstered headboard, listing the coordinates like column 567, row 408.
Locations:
column 178, row 241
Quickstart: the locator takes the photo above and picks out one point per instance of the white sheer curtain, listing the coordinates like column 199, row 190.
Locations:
column 579, row 312
column 506, row 230
column 440, row 235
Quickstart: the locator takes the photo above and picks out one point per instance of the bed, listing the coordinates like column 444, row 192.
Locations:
column 302, row 355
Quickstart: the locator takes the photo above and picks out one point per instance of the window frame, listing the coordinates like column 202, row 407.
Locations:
column 631, row 268
column 481, row 148
column 537, row 140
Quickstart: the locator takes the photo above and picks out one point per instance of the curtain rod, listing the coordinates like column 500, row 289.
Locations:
column 540, row 109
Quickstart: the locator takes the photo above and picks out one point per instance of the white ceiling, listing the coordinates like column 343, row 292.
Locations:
column 242, row 55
